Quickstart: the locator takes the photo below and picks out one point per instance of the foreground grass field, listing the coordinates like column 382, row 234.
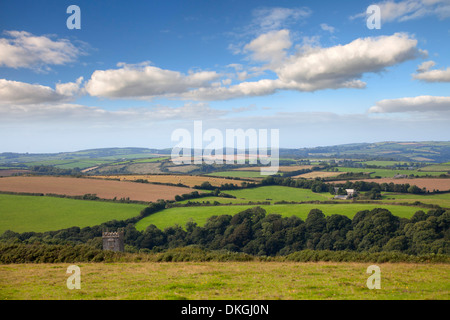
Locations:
column 39, row 214
column 182, row 215
column 229, row 280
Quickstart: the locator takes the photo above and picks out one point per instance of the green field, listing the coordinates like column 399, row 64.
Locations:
column 442, row 199
column 437, row 167
column 39, row 214
column 181, row 215
column 225, row 281
column 389, row 173
column 278, row 193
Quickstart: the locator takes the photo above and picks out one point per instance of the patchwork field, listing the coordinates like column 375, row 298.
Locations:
column 182, row 215
column 225, row 281
column 107, row 189
column 187, row 180
column 39, row 214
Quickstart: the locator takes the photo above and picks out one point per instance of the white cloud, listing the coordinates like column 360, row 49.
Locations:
column 270, row 47
column 425, row 66
column 314, row 68
column 326, row 27
column 20, row 93
column 69, row 89
column 310, row 69
column 145, row 82
column 411, row 9
column 436, row 75
column 243, row 89
column 412, row 104
column 23, row 50
column 343, row 65
column 269, row 19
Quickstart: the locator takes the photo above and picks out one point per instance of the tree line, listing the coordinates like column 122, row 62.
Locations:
column 254, row 232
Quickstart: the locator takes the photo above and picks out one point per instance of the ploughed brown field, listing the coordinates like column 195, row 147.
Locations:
column 106, row 189
column 187, row 180
column 429, row 184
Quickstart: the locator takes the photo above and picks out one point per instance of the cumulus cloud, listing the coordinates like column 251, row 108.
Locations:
column 411, row 9
column 69, row 89
column 131, row 81
column 21, row 49
column 343, row 65
column 310, row 69
column 436, row 75
column 425, row 66
column 22, row 93
column 270, row 47
column 412, row 104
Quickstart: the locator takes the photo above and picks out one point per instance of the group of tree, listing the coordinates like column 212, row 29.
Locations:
column 51, row 170
column 256, row 233
column 318, row 185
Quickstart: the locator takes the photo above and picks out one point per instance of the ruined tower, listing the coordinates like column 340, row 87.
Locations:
column 113, row 241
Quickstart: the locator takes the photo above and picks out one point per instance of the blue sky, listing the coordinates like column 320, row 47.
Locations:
column 138, row 70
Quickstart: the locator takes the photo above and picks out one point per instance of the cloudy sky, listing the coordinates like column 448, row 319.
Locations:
column 138, row 70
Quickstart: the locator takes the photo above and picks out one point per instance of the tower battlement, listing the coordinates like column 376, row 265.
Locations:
column 113, row 241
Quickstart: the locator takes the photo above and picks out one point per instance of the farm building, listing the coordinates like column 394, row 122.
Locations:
column 350, row 194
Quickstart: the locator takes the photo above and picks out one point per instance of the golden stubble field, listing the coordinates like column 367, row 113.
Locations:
column 106, row 189
column 280, row 168
column 187, row 180
column 225, row 280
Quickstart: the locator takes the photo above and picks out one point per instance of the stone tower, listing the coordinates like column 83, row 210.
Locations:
column 113, row 241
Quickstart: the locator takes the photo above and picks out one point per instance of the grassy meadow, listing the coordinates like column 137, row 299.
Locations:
column 34, row 213
column 181, row 215
column 441, row 199
column 278, row 193
column 225, row 281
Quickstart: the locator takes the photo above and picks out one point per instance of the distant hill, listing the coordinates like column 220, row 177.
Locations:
column 428, row 151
